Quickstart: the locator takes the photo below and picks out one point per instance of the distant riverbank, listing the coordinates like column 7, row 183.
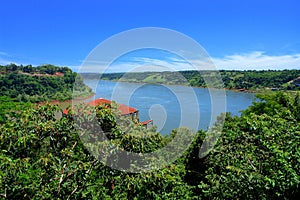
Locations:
column 163, row 103
column 229, row 89
column 242, row 81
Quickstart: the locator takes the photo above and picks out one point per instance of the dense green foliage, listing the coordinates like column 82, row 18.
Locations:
column 260, row 79
column 256, row 157
column 42, row 83
column 9, row 105
column 249, row 80
column 43, row 158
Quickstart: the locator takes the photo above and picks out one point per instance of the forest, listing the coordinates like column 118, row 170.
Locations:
column 257, row 155
column 41, row 83
column 232, row 79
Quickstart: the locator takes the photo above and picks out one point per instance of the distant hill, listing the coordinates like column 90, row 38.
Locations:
column 232, row 79
column 42, row 83
column 296, row 82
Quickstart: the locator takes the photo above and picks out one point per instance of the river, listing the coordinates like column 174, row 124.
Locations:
column 171, row 106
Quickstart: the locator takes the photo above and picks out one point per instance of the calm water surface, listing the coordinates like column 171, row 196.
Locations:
column 170, row 106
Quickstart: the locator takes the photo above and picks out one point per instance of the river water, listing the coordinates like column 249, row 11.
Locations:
column 172, row 106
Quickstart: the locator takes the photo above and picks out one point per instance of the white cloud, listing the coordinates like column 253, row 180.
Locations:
column 3, row 53
column 251, row 61
column 135, row 64
column 258, row 61
column 4, row 60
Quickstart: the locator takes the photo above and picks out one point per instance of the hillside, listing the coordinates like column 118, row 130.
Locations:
column 239, row 80
column 42, row 83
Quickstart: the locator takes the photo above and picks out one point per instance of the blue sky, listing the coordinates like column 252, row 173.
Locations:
column 236, row 34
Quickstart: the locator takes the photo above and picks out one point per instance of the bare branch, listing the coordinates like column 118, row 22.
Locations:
column 4, row 195
column 61, row 179
column 73, row 192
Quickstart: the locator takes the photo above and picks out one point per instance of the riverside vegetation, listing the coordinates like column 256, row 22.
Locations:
column 42, row 83
column 232, row 79
column 20, row 86
column 256, row 157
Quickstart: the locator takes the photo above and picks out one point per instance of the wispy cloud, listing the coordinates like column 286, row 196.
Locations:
column 5, row 58
column 3, row 53
column 258, row 60
column 252, row 61
column 135, row 64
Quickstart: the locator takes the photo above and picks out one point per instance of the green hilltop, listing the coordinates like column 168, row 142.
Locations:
column 231, row 79
column 41, row 83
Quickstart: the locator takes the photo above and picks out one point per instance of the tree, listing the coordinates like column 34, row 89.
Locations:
column 257, row 156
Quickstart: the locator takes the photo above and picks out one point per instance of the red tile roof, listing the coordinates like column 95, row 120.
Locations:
column 58, row 74
column 66, row 111
column 146, row 122
column 125, row 110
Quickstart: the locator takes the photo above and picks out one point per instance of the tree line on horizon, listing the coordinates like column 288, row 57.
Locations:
column 45, row 157
column 232, row 79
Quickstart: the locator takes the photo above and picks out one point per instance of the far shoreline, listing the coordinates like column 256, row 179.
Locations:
column 243, row 90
